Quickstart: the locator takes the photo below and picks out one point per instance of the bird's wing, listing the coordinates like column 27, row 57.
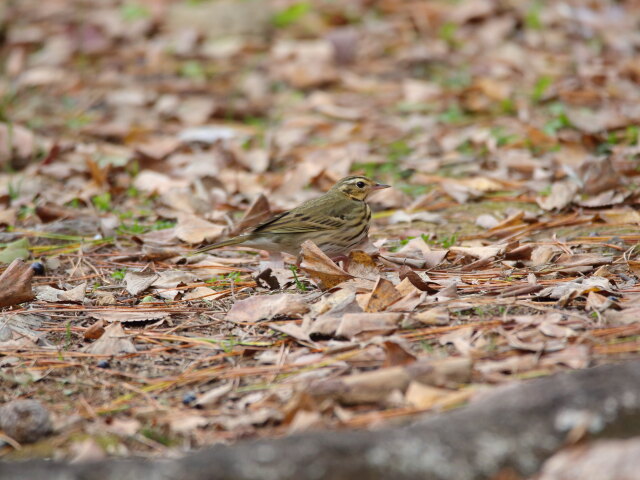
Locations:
column 300, row 222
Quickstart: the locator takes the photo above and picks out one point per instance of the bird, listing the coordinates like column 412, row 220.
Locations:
column 336, row 222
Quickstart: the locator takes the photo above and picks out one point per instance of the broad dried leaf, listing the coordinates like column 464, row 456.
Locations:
column 293, row 330
column 50, row 294
column 129, row 316
column 480, row 253
column 138, row 282
column 610, row 458
column 211, row 397
column 15, row 284
column 382, row 296
column 424, row 396
column 433, row 316
column 265, row 307
column 112, row 342
column 562, row 194
column 542, row 255
column 320, row 267
column 258, row 211
column 578, row 287
column 95, row 331
column 416, row 280
column 200, row 293
column 375, row 386
column 367, row 324
column 192, row 229
column 396, row 354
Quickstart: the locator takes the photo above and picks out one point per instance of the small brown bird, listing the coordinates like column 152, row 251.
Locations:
column 336, row 222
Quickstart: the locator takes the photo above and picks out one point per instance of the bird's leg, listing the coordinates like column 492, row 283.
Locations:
column 345, row 259
column 274, row 262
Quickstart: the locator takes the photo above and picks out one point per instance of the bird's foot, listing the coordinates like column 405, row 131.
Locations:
column 345, row 259
column 275, row 262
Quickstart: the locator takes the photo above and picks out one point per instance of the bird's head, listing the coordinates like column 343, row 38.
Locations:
column 358, row 187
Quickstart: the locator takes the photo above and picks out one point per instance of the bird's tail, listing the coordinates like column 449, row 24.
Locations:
column 225, row 243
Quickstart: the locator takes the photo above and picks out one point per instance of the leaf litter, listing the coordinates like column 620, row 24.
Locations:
column 506, row 250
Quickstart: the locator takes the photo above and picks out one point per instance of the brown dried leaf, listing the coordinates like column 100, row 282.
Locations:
column 265, row 307
column 138, row 282
column 129, row 316
column 367, row 324
column 112, row 342
column 258, row 211
column 424, row 396
column 303, row 64
column 597, row 302
column 50, row 294
column 320, row 267
column 361, row 264
column 8, row 216
column 293, row 330
column 542, row 255
column 95, row 331
column 481, row 253
column 562, row 193
column 375, row 386
column 15, row 284
column 611, row 458
column 416, row 280
column 433, row 316
column 383, row 295
column 192, row 229
column 211, row 397
column 396, row 354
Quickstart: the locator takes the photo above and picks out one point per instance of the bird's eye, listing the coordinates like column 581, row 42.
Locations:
column 360, row 184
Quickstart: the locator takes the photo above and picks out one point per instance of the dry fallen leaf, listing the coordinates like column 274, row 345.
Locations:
column 320, row 267
column 261, row 307
column 424, row 396
column 383, row 295
column 50, row 294
column 610, row 458
column 15, row 284
column 138, row 282
column 375, row 386
column 192, row 229
column 363, row 325
column 562, row 193
column 129, row 316
column 112, row 342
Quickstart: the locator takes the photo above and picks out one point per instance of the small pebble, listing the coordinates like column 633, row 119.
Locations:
column 38, row 268
column 188, row 398
column 103, row 364
column 26, row 421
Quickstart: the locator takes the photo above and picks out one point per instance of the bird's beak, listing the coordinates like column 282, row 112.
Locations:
column 379, row 186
